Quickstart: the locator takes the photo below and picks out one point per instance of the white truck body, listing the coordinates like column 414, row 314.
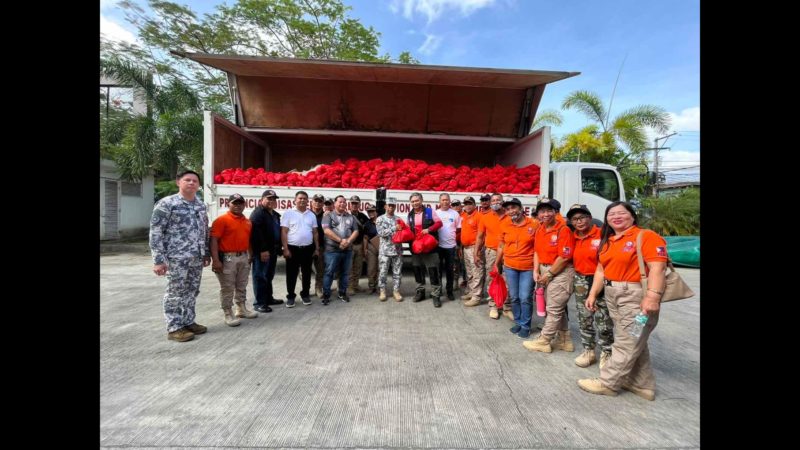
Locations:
column 293, row 114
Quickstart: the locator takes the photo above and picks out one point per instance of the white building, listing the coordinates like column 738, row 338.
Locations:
column 125, row 208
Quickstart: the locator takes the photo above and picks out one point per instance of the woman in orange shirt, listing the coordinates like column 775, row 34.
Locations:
column 515, row 253
column 618, row 269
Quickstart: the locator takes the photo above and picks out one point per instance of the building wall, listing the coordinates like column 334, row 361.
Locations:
column 134, row 211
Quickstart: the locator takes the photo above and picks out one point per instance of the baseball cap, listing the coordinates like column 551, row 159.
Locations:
column 469, row 199
column 269, row 193
column 318, row 198
column 546, row 202
column 576, row 208
column 355, row 198
column 236, row 198
column 486, row 197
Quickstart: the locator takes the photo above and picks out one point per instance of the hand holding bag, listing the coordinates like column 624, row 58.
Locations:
column 674, row 288
column 404, row 233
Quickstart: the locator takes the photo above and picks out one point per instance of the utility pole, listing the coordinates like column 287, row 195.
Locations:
column 655, row 160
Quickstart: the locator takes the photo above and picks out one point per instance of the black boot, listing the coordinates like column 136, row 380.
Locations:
column 435, row 281
column 419, row 277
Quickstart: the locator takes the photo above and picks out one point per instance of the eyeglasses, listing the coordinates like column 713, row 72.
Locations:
column 579, row 218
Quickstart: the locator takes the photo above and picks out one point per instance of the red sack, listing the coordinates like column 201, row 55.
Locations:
column 497, row 288
column 404, row 234
column 424, row 243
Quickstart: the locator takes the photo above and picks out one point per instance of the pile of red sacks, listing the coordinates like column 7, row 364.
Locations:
column 405, row 174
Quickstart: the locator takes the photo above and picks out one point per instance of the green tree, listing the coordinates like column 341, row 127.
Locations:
column 315, row 29
column 621, row 141
column 677, row 215
column 168, row 136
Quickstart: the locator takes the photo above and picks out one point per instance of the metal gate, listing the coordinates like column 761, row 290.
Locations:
column 111, row 216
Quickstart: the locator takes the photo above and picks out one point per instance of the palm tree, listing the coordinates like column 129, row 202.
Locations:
column 169, row 135
column 621, row 141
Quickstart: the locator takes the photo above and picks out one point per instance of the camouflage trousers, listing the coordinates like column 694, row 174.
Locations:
column 183, row 285
column 601, row 320
column 396, row 263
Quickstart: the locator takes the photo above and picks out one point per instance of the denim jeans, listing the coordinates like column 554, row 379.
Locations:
column 336, row 261
column 263, row 274
column 520, row 290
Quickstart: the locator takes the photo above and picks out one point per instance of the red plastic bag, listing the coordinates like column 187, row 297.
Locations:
column 404, row 234
column 424, row 243
column 497, row 288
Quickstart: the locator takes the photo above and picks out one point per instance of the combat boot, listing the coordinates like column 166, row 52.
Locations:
column 230, row 320
column 594, row 386
column 586, row 359
column 540, row 344
column 563, row 341
column 242, row 312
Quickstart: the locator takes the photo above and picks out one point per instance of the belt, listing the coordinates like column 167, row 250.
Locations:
column 620, row 283
column 234, row 253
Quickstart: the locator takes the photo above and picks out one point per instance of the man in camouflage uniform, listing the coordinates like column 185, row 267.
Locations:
column 389, row 253
column 179, row 242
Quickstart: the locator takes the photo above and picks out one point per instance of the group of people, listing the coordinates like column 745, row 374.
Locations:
column 546, row 251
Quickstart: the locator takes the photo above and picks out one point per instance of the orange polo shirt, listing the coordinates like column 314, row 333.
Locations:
column 517, row 242
column 585, row 257
column 552, row 243
column 469, row 227
column 233, row 232
column 619, row 259
column 490, row 226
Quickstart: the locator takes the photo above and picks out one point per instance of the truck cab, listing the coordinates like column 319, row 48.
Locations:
column 592, row 184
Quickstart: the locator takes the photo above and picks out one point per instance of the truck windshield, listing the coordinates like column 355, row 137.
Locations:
column 600, row 182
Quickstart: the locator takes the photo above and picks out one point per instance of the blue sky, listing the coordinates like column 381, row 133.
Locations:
column 658, row 41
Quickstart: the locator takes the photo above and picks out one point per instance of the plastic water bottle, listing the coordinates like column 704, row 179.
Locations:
column 540, row 311
column 638, row 325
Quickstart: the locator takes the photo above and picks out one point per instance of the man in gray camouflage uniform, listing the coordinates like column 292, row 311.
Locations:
column 389, row 253
column 179, row 242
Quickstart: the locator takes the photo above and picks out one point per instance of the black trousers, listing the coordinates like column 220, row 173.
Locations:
column 447, row 258
column 300, row 261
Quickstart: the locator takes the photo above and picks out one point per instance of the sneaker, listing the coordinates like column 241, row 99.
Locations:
column 325, row 300
column 196, row 328
column 318, row 293
column 524, row 334
column 306, row 300
column 507, row 313
column 262, row 308
column 397, row 296
column 437, row 302
column 274, row 301
column 450, row 296
column 515, row 329
column 493, row 314
column 466, row 296
column 344, row 297
column 290, row 303
column 181, row 335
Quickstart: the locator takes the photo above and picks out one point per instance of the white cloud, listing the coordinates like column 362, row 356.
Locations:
column 430, row 45
column 434, row 9
column 115, row 31
column 687, row 120
column 105, row 4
